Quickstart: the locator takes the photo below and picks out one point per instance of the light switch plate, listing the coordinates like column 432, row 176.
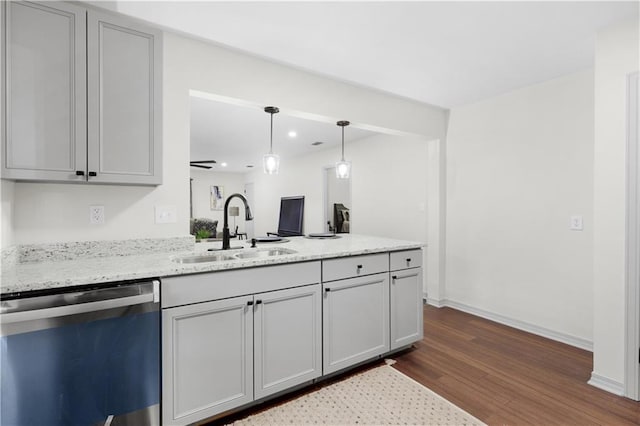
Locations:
column 575, row 223
column 166, row 214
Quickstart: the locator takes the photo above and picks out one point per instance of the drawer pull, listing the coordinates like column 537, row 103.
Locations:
column 258, row 302
column 395, row 277
column 359, row 267
column 93, row 174
column 250, row 302
column 79, row 173
column 327, row 289
column 408, row 260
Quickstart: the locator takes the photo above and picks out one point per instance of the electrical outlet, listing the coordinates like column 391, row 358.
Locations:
column 575, row 223
column 96, row 215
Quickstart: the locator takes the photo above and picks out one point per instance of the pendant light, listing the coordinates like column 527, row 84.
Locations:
column 271, row 161
column 343, row 168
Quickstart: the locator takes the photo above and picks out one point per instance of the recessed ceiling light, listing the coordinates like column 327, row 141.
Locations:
column 223, row 164
column 316, row 143
column 292, row 134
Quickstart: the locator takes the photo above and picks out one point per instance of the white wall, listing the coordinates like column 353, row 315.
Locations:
column 231, row 182
column 56, row 212
column 616, row 57
column 6, row 195
column 388, row 192
column 518, row 166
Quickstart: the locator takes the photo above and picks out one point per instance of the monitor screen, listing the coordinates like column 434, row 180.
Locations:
column 291, row 212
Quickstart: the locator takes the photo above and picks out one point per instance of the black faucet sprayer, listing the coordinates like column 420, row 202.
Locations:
column 225, row 230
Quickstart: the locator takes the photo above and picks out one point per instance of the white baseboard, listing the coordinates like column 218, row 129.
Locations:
column 606, row 384
column 435, row 302
column 520, row 325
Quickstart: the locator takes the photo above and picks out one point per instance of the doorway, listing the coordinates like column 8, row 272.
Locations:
column 337, row 192
column 249, row 194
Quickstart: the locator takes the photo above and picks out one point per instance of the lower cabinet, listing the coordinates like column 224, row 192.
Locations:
column 223, row 354
column 287, row 339
column 406, row 307
column 356, row 320
column 209, row 350
column 234, row 337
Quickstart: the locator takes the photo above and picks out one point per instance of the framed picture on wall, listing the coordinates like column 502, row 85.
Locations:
column 217, row 197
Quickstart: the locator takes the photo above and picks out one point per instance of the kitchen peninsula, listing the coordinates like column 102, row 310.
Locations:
column 244, row 324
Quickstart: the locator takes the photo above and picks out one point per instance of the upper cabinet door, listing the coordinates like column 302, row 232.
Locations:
column 124, row 98
column 44, row 81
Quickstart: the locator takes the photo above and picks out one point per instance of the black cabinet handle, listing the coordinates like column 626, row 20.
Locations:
column 79, row 172
column 359, row 267
column 258, row 302
column 93, row 174
column 250, row 302
column 395, row 277
column 327, row 289
column 408, row 260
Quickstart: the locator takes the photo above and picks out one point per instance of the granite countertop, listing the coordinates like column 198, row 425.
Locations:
column 24, row 277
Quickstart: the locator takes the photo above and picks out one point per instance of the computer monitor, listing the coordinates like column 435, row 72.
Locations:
column 291, row 213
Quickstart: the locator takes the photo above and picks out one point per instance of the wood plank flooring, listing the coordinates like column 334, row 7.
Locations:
column 505, row 376
column 501, row 375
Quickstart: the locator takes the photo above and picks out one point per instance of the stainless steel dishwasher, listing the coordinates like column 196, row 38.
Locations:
column 83, row 357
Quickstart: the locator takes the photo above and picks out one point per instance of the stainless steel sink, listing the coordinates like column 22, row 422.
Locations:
column 251, row 254
column 202, row 258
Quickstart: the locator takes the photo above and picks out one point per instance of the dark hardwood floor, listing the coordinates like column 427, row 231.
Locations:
column 505, row 376
column 501, row 375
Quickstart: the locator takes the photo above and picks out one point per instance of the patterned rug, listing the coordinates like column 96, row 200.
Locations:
column 380, row 396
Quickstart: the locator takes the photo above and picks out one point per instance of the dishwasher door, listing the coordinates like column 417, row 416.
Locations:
column 88, row 357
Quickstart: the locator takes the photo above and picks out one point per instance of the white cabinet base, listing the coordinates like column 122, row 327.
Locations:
column 406, row 307
column 288, row 339
column 356, row 321
column 208, row 349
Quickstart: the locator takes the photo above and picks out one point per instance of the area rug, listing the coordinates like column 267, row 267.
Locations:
column 379, row 396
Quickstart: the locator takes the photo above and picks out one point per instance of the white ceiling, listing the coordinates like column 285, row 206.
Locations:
column 442, row 53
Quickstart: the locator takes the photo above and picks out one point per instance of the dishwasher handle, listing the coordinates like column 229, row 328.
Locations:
column 72, row 304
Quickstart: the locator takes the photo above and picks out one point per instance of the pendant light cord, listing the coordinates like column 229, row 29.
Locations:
column 342, row 143
column 342, row 124
column 271, row 141
column 271, row 110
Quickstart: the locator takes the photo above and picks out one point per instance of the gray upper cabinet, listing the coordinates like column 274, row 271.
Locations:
column 124, row 94
column 83, row 96
column 44, row 120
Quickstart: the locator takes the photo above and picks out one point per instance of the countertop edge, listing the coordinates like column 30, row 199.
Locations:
column 24, row 278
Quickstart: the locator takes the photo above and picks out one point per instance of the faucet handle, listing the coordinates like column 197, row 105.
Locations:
column 253, row 243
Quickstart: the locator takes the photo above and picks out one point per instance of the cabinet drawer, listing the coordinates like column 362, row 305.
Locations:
column 405, row 259
column 348, row 267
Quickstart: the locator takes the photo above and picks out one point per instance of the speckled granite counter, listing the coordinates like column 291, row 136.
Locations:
column 24, row 277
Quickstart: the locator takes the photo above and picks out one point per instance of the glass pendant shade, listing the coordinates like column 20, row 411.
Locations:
column 271, row 163
column 343, row 169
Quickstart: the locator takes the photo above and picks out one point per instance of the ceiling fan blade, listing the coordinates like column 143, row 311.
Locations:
column 199, row 166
